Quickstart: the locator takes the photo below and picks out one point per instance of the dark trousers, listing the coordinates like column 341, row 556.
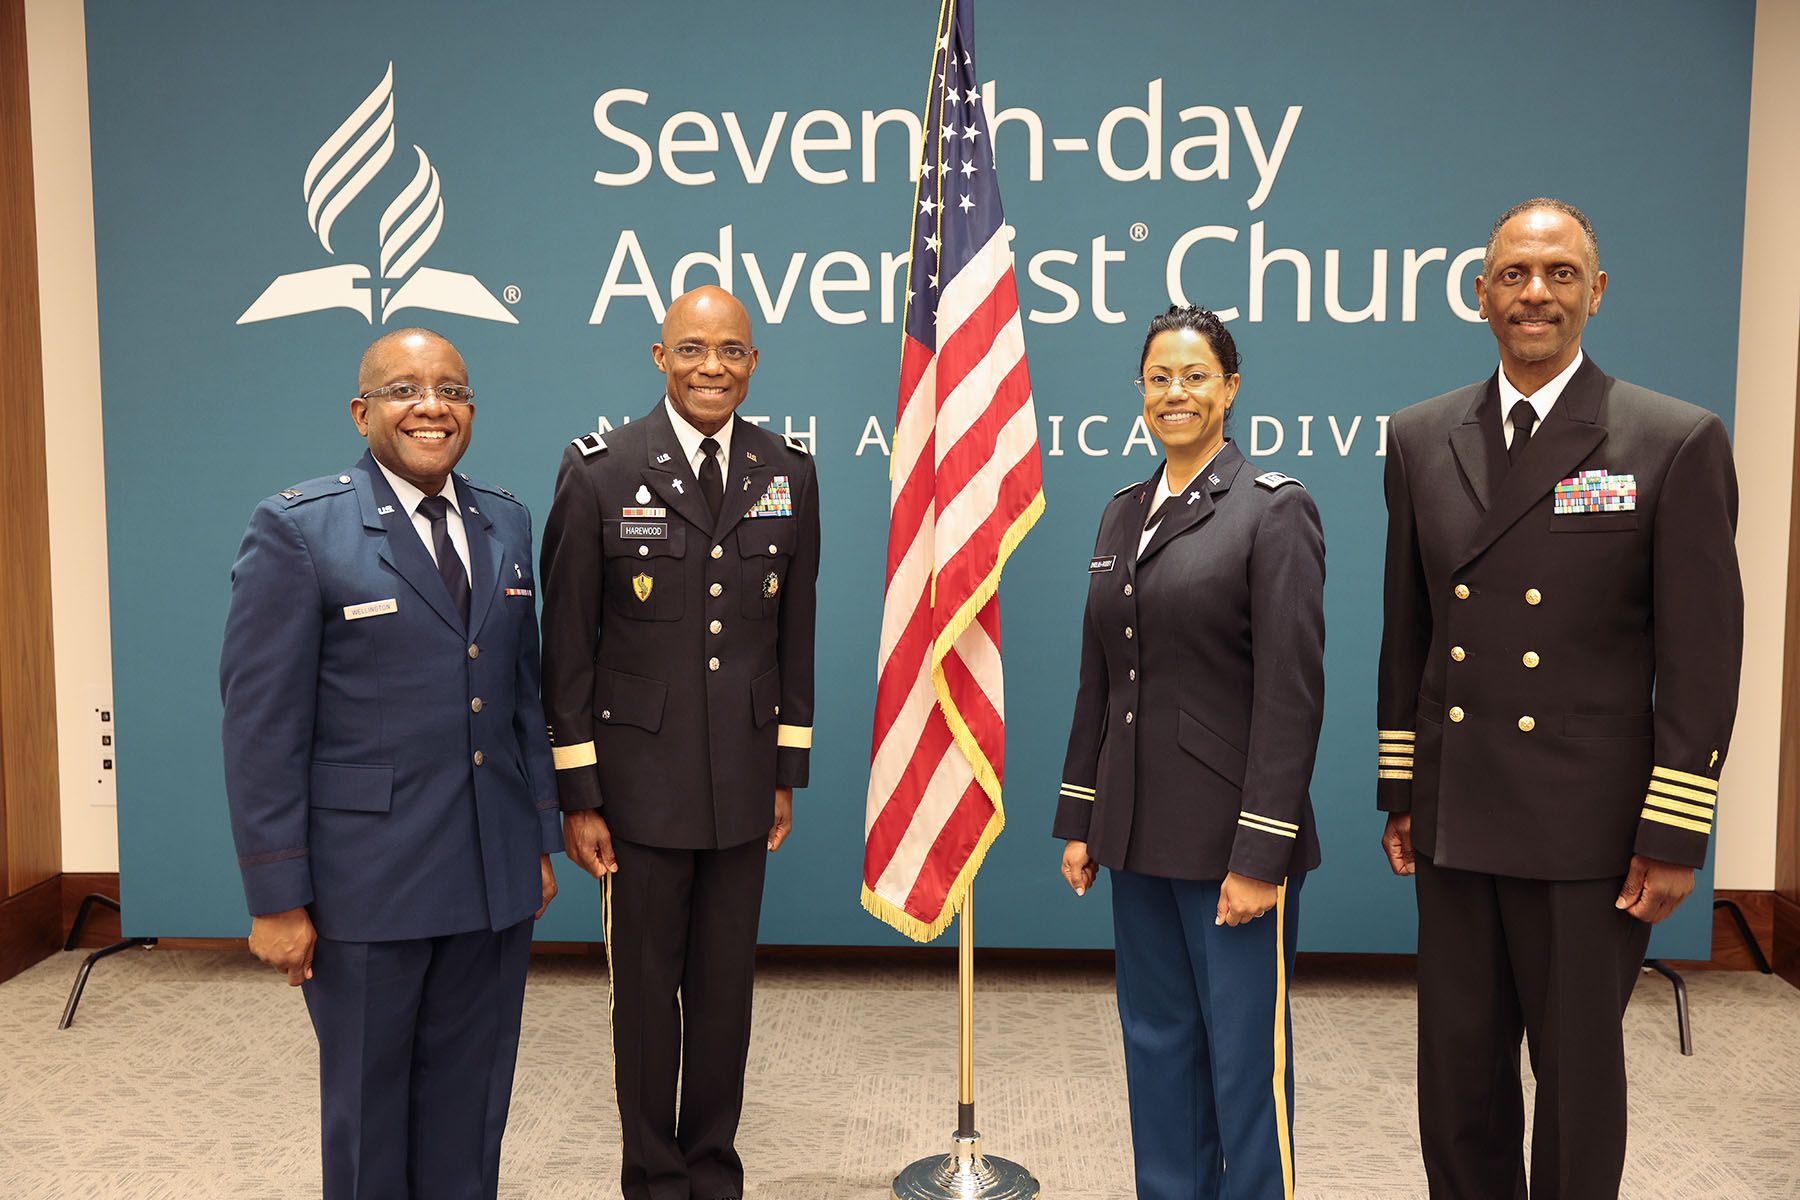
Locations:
column 417, row 1041
column 1204, row 1010
column 681, row 947
column 1499, row 958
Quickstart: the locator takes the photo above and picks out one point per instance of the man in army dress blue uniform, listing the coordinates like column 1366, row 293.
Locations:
column 679, row 565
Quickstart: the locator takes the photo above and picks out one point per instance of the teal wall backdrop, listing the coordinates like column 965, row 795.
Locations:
column 1328, row 171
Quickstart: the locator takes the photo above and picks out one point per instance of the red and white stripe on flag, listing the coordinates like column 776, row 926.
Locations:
column 967, row 486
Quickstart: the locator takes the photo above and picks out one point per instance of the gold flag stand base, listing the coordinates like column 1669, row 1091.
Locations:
column 966, row 1174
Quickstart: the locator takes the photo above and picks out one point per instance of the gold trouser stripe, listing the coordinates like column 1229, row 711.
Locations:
column 606, row 915
column 1396, row 735
column 1659, row 788
column 1281, row 1047
column 1674, row 776
column 1679, row 822
column 1393, row 774
column 567, row 758
column 794, row 737
column 1703, row 811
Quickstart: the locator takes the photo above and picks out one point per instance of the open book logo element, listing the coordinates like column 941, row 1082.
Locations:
column 344, row 165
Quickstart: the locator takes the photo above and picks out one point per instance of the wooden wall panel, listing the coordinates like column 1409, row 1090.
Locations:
column 32, row 824
column 1787, row 820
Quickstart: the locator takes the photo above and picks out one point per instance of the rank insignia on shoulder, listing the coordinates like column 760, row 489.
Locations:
column 795, row 442
column 1275, row 479
column 291, row 494
column 1123, row 490
column 589, row 444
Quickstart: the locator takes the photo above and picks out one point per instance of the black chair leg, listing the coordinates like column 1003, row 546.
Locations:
column 1743, row 928
column 1681, row 1002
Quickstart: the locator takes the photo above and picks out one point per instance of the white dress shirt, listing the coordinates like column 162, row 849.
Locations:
column 690, row 439
column 1163, row 492
column 1541, row 400
column 409, row 497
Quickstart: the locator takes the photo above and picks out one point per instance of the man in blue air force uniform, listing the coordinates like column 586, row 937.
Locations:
column 1559, row 673
column 680, row 558
column 392, row 795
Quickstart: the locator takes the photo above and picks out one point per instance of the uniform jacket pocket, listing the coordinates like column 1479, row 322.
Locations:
column 1212, row 750
column 765, row 696
column 353, row 787
column 1601, row 522
column 621, row 699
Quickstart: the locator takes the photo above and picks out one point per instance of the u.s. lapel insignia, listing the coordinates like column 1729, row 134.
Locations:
column 751, row 457
column 771, row 584
column 643, row 494
column 641, row 584
column 662, row 458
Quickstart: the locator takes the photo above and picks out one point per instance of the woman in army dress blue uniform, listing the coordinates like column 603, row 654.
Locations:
column 1192, row 746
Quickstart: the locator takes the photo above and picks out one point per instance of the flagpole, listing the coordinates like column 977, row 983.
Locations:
column 966, row 1173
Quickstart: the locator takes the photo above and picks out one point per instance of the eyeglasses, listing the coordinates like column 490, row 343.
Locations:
column 413, row 393
column 693, row 353
column 1157, row 383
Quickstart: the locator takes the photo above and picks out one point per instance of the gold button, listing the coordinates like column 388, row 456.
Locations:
column 772, row 549
column 1128, row 718
column 712, row 664
column 1531, row 658
column 1462, row 591
column 1527, row 724
column 1128, row 589
column 1128, row 631
column 716, row 626
column 1458, row 653
column 475, row 704
column 718, row 551
column 606, row 714
column 1533, row 596
column 1134, row 674
column 480, row 758
column 717, row 589
column 643, row 552
column 474, row 650
column 1456, row 714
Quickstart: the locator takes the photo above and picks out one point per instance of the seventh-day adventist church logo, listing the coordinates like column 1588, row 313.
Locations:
column 346, row 164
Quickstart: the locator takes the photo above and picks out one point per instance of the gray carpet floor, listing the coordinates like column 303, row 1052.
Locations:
column 191, row 1074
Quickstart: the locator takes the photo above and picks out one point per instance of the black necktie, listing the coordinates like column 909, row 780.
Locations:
column 1523, row 417
column 712, row 480
column 1162, row 510
column 449, row 563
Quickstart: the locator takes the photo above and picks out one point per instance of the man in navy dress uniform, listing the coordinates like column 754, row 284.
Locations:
column 390, row 782
column 1559, row 674
column 680, row 558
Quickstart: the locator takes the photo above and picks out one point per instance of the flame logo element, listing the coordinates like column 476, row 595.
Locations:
column 342, row 168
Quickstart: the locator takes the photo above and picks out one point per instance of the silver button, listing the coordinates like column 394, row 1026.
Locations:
column 475, row 704
column 716, row 626
column 474, row 650
column 1128, row 718
column 772, row 549
column 343, row 479
column 718, row 551
column 480, row 758
column 778, row 710
column 1128, row 632
column 1134, row 674
column 712, row 664
column 717, row 589
column 643, row 551
column 1128, row 589
column 606, row 714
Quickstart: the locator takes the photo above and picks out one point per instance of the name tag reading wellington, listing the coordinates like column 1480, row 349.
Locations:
column 644, row 529
column 356, row 612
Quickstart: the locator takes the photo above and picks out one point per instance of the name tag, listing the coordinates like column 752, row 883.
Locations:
column 374, row 608
column 644, row 529
column 1101, row 564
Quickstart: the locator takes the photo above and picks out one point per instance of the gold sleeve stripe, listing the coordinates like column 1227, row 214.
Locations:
column 1393, row 774
column 1396, row 735
column 1693, row 810
column 1076, row 794
column 1674, row 776
column 794, row 737
column 1260, row 827
column 1394, row 760
column 1266, row 820
column 567, row 758
column 1078, row 789
column 1659, row 788
column 1678, row 822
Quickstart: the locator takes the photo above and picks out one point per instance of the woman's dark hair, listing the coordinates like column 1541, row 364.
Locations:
column 1202, row 321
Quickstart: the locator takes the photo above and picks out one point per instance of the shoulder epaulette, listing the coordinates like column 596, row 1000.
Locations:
column 589, row 444
column 1275, row 479
column 312, row 489
column 795, row 442
column 1128, row 487
column 482, row 485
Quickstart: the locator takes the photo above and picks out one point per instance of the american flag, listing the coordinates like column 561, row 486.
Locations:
column 967, row 486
